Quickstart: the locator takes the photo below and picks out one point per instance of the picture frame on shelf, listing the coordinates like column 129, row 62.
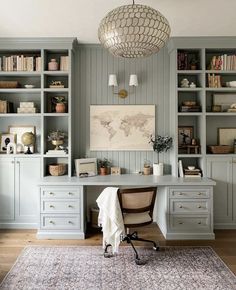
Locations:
column 226, row 136
column 185, row 135
column 19, row 131
column 6, row 138
column 86, row 167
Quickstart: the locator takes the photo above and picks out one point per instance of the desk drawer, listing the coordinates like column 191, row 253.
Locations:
column 61, row 192
column 189, row 193
column 190, row 223
column 189, row 206
column 60, row 206
column 65, row 222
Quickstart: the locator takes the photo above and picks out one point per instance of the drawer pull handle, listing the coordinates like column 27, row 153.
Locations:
column 200, row 193
column 51, row 193
column 180, row 206
column 70, row 206
column 51, row 206
column 70, row 193
column 180, row 193
column 199, row 206
column 52, row 222
column 70, row 222
column 180, row 223
column 199, row 223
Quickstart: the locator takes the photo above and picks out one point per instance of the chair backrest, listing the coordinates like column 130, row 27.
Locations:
column 137, row 200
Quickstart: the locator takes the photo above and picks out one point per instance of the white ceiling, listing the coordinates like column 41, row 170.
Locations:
column 79, row 18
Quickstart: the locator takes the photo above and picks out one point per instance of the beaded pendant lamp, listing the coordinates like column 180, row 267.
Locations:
column 133, row 31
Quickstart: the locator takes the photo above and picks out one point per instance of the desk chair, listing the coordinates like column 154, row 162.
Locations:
column 137, row 209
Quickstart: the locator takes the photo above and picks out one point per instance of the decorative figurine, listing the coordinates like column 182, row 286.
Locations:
column 192, row 85
column 184, row 83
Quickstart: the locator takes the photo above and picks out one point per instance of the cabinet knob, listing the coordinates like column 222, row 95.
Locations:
column 51, row 206
column 199, row 223
column 51, row 193
column 70, row 193
column 200, row 193
column 199, row 206
column 180, row 206
column 180, row 223
column 70, row 222
column 70, row 206
column 51, row 222
column 181, row 193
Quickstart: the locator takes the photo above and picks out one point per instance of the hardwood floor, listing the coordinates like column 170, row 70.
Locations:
column 12, row 243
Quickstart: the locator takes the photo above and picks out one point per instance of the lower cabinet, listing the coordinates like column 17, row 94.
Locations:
column 223, row 171
column 188, row 212
column 61, row 212
column 19, row 192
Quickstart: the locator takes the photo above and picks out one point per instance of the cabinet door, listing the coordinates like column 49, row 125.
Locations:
column 220, row 169
column 234, row 190
column 27, row 172
column 7, row 193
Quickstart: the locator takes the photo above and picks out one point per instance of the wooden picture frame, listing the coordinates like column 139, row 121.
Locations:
column 19, row 131
column 86, row 167
column 6, row 138
column 226, row 136
column 185, row 135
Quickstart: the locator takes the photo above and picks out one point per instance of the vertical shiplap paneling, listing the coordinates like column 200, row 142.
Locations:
column 94, row 66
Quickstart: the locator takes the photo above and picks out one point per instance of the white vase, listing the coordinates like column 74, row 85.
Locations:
column 158, row 169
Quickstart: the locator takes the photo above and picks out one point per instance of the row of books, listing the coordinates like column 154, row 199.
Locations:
column 189, row 173
column 20, row 63
column 214, row 81
column 223, row 62
column 64, row 63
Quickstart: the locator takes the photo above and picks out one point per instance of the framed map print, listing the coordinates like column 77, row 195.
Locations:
column 121, row 127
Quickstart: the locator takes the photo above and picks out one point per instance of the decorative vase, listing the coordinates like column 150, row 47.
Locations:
column 158, row 169
column 103, row 171
column 60, row 108
column 57, row 143
column 53, row 65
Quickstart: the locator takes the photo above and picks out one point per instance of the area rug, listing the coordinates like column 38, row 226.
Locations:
column 75, row 268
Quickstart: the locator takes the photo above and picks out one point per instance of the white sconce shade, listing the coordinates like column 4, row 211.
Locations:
column 133, row 80
column 112, row 81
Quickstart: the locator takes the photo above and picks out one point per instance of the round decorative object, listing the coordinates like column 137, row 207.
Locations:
column 57, row 169
column 133, row 31
column 53, row 65
column 60, row 108
column 28, row 139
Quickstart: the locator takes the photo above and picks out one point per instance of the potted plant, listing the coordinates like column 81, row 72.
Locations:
column 160, row 144
column 57, row 138
column 103, row 165
column 60, row 104
column 193, row 63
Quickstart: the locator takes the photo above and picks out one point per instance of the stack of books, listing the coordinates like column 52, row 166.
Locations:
column 182, row 61
column 64, row 63
column 20, row 63
column 223, row 62
column 190, row 108
column 56, row 152
column 214, row 81
column 192, row 173
column 26, row 108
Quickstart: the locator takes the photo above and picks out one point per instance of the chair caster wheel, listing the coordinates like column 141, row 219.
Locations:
column 156, row 248
column 107, row 255
column 139, row 262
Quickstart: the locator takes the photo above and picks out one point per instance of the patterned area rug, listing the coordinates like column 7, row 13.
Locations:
column 75, row 268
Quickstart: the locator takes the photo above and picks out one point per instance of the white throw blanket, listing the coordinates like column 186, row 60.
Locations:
column 110, row 217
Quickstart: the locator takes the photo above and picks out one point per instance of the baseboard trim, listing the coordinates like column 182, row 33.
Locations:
column 59, row 235
column 190, row 236
column 225, row 226
column 22, row 226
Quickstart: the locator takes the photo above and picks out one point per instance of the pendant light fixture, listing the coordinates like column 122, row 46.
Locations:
column 133, row 31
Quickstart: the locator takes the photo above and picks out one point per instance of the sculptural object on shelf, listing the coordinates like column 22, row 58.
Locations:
column 184, row 83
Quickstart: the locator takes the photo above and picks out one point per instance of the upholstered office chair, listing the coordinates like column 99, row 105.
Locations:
column 137, row 208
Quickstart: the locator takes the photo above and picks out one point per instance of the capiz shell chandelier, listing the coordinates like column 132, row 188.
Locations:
column 133, row 31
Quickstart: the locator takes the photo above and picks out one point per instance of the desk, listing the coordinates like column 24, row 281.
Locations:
column 183, row 208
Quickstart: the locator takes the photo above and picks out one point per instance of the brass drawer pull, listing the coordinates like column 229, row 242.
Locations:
column 51, row 206
column 199, row 223
column 52, row 222
column 200, row 193
column 199, row 206
column 181, row 193
column 70, row 222
column 180, row 206
column 70, row 206
column 180, row 223
column 51, row 193
column 70, row 193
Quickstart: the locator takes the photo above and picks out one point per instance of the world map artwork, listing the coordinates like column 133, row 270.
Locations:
column 121, row 127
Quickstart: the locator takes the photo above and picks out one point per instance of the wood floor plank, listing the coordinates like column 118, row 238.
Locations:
column 12, row 242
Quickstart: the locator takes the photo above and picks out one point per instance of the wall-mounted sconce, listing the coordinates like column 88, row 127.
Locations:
column 133, row 82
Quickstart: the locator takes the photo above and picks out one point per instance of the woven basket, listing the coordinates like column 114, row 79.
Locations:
column 9, row 84
column 57, row 169
column 221, row 149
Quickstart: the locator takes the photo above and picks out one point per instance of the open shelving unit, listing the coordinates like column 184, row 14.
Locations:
column 45, row 119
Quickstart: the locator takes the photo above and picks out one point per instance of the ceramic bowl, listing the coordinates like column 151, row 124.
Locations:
column 29, row 86
column 231, row 84
column 191, row 167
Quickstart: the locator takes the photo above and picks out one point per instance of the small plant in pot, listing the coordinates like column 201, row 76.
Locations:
column 160, row 144
column 193, row 63
column 60, row 104
column 57, row 138
column 103, row 166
